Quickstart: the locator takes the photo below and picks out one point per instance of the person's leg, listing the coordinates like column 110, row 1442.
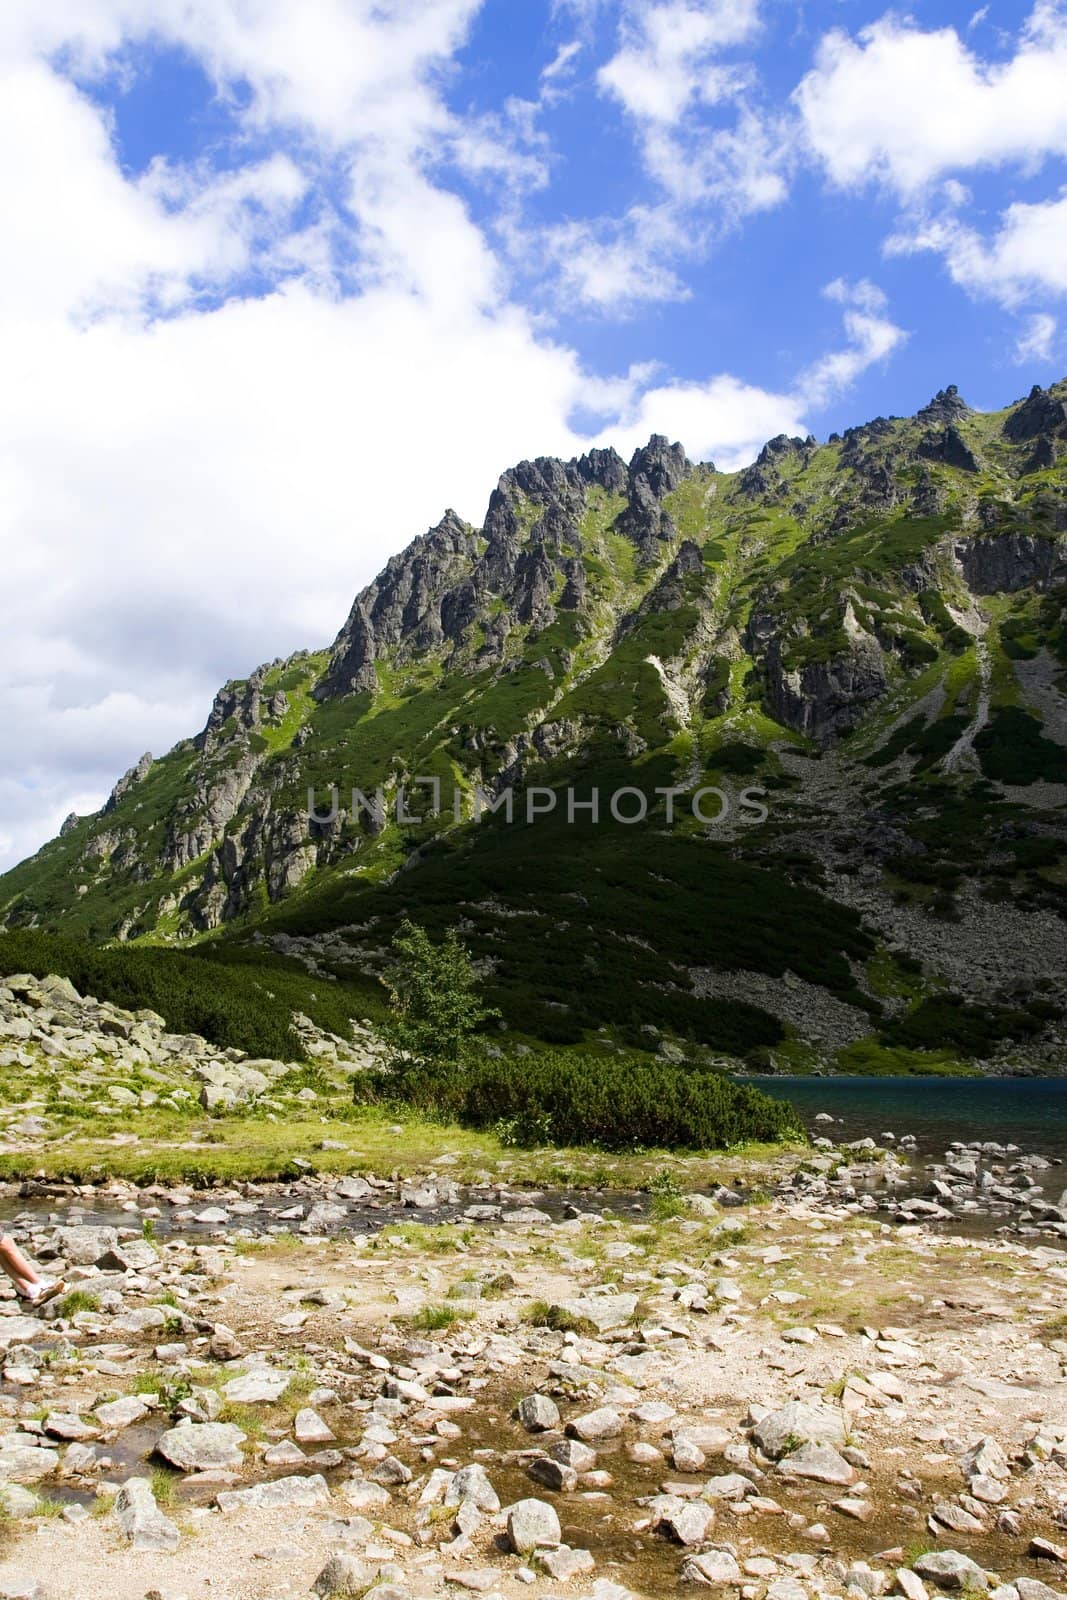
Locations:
column 29, row 1284
column 18, row 1269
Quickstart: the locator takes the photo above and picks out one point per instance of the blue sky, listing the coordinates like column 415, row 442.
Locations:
column 281, row 282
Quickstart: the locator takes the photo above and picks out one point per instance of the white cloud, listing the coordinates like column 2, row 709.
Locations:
column 871, row 338
column 616, row 265
column 1026, row 256
column 1037, row 343
column 666, row 61
column 906, row 106
column 723, row 419
column 729, row 420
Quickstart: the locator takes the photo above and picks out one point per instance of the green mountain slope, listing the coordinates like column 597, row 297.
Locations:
column 871, row 632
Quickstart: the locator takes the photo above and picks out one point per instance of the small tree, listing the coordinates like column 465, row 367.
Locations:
column 435, row 1001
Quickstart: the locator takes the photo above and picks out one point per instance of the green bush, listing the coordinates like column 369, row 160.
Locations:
column 614, row 1102
column 945, row 1020
column 1012, row 749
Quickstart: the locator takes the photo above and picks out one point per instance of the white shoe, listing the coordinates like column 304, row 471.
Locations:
column 45, row 1290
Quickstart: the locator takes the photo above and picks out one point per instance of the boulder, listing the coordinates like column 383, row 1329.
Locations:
column 795, row 1424
column 200, row 1446
column 531, row 1525
column 281, row 1494
column 142, row 1522
column 951, row 1570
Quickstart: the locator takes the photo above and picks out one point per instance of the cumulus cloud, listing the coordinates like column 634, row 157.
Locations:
column 871, row 338
column 1026, row 256
column 1038, row 340
column 667, row 59
column 906, row 105
column 729, row 420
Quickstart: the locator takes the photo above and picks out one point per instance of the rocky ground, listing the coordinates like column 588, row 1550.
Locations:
column 781, row 1401
column 397, row 1369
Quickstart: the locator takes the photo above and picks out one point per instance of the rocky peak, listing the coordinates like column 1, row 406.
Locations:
column 662, row 466
column 655, row 469
column 946, row 407
column 1042, row 412
column 136, row 774
column 781, row 445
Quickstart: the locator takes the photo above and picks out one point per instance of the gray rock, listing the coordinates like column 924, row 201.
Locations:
column 603, row 1423
column 572, row 1453
column 24, row 1462
column 199, row 1446
column 472, row 1484
column 532, row 1524
column 820, row 1462
column 114, row 1415
column 553, row 1474
column 343, row 1575
column 687, row 1521
column 83, row 1246
column 795, row 1424
column 142, row 1522
column 260, row 1387
column 281, row 1494
column 563, row 1563
column 712, row 1567
column 951, row 1570
column 309, row 1428
column 538, row 1413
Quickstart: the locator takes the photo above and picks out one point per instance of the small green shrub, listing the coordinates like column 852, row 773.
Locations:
column 614, row 1102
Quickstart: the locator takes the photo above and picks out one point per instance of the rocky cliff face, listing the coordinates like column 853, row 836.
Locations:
column 890, row 603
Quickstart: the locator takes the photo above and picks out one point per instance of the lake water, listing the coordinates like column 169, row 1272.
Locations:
column 1029, row 1112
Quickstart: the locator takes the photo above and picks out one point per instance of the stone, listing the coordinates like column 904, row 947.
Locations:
column 1045, row 1550
column 688, row 1523
column 950, row 1515
column 951, row 1570
column 985, row 1458
column 532, row 1524
column 572, row 1453
column 260, row 1387
column 686, row 1454
column 712, row 1567
column 83, row 1246
column 25, row 1462
column 118, row 1414
column 67, row 1425
column 309, row 1428
column 200, row 1446
column 538, row 1413
column 553, row 1474
column 141, row 1521
column 280, row 1494
column 820, row 1462
column 728, row 1486
column 18, row 1330
column 563, row 1563
column 603, row 1423
column 604, row 1311
column 911, row 1585
column 343, row 1575
column 283, row 1454
column 795, row 1424
column 472, row 1484
column 858, row 1510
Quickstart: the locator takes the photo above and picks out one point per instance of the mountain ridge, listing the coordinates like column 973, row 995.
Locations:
column 879, row 618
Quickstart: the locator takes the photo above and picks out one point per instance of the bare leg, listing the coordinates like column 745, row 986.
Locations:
column 18, row 1269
